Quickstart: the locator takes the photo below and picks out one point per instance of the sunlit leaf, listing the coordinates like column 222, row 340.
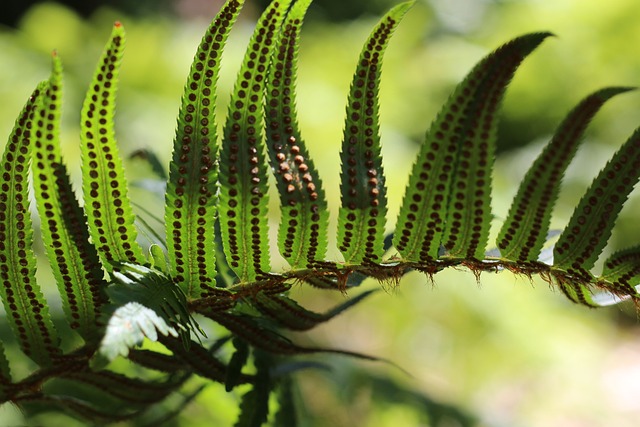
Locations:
column 582, row 241
column 106, row 204
column 191, row 198
column 73, row 259
column 243, row 172
column 525, row 229
column 362, row 215
column 447, row 201
column 28, row 312
column 302, row 236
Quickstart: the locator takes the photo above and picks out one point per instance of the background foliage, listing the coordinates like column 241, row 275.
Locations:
column 508, row 352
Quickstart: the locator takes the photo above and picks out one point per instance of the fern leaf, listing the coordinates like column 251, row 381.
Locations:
column 6, row 383
column 524, row 231
column 191, row 199
column 128, row 326
column 74, row 261
column 582, row 241
column 200, row 360
column 104, row 186
column 27, row 311
column 287, row 414
column 131, row 391
column 154, row 290
column 156, row 361
column 254, row 407
column 77, row 408
column 447, row 201
column 243, row 193
column 236, row 363
column 578, row 293
column 290, row 315
column 249, row 329
column 302, row 236
column 362, row 215
column 622, row 271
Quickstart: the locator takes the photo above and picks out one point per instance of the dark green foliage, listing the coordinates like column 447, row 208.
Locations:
column 215, row 262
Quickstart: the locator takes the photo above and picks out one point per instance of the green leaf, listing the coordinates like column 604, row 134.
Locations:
column 6, row 384
column 447, row 201
column 524, row 231
column 131, row 391
column 582, row 241
column 578, row 293
column 243, row 176
column 152, row 159
column 191, row 198
column 76, row 407
column 128, row 326
column 302, row 235
column 362, row 215
column 289, row 314
column 153, row 289
column 74, row 261
column 254, row 407
column 154, row 360
column 200, row 360
column 26, row 308
column 108, row 210
column 287, row 414
column 622, row 271
column 254, row 331
column 236, row 363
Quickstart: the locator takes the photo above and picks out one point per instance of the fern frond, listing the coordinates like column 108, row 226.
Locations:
column 254, row 406
column 6, row 383
column 243, row 178
column 288, row 314
column 363, row 211
column 129, row 392
column 108, row 210
column 191, row 199
column 27, row 311
column 302, row 235
column 238, row 360
column 589, row 229
column 128, row 326
column 447, row 201
column 525, row 229
column 622, row 271
column 74, row 261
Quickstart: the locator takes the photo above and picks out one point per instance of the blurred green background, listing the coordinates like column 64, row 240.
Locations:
column 508, row 351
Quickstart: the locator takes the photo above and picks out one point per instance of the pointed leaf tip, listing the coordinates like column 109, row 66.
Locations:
column 362, row 215
column 524, row 231
column 447, row 203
